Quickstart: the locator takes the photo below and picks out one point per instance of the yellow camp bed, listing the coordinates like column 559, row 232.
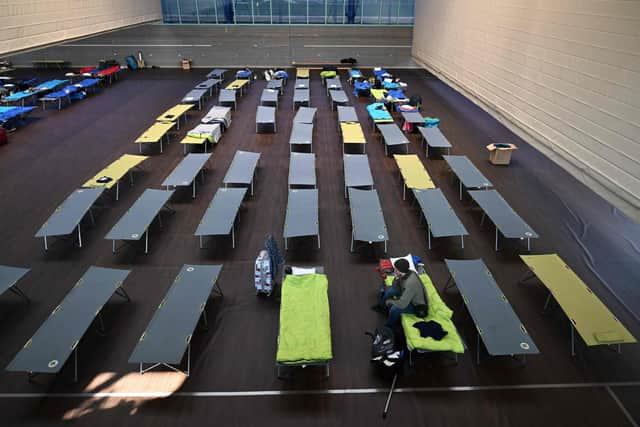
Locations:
column 302, row 73
column 377, row 94
column 155, row 134
column 173, row 114
column 587, row 314
column 237, row 84
column 111, row 175
column 352, row 134
column 413, row 173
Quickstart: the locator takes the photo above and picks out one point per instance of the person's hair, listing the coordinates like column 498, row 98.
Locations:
column 402, row 265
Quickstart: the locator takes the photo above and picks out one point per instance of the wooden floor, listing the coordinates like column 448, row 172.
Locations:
column 233, row 378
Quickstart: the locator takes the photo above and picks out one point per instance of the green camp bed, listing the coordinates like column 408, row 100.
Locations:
column 304, row 338
column 587, row 314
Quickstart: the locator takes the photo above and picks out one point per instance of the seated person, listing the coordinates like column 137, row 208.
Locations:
column 408, row 288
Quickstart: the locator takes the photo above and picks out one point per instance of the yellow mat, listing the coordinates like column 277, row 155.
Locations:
column 377, row 94
column 237, row 84
column 303, row 73
column 155, row 133
column 174, row 113
column 413, row 172
column 115, row 171
column 352, row 133
column 591, row 318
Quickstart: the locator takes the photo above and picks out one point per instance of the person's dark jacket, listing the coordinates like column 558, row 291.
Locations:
column 412, row 291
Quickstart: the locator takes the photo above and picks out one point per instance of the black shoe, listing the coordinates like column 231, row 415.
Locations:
column 376, row 307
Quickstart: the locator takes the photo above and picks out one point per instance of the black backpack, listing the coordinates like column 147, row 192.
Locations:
column 383, row 343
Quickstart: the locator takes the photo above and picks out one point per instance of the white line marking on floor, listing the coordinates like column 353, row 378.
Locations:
column 374, row 46
column 137, row 45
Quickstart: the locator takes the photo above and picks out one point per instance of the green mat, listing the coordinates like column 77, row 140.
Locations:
column 327, row 74
column 439, row 312
column 305, row 328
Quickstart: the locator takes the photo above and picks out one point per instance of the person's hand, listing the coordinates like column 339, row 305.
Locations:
column 388, row 303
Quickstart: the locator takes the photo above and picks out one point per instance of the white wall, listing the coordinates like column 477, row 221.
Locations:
column 566, row 72
column 29, row 23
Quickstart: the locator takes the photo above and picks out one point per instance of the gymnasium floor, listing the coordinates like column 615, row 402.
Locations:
column 233, row 378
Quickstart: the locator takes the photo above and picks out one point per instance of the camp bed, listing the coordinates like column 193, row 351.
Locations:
column 109, row 74
column 304, row 335
column 381, row 73
column 67, row 217
column 354, row 74
column 9, row 277
column 269, row 97
column 9, row 115
column 595, row 324
column 59, row 96
column 305, row 115
column 302, row 170
column 433, row 138
column 302, row 73
column 361, row 89
column 209, row 85
column 413, row 173
column 186, row 172
column 173, row 114
column 378, row 114
column 136, row 221
column 49, row 348
column 168, row 335
column 338, row 97
column 51, row 85
column 218, row 114
column 301, row 84
column 227, row 96
column 266, row 116
column 301, row 134
column 201, row 135
column 301, row 96
column 220, row 217
column 21, row 97
column 195, row 96
column 392, row 136
column 498, row 326
column 244, row 75
column 217, row 73
column 155, row 134
column 301, row 218
column 242, row 169
column 88, row 85
column 352, row 134
column 367, row 220
column 333, row 83
column 238, row 85
column 275, row 85
column 413, row 118
column 441, row 219
column 112, row 174
column 357, row 172
column 468, row 175
column 505, row 219
column 347, row 114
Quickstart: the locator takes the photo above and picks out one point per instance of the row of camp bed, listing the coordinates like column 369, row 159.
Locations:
column 350, row 128
column 301, row 93
column 336, row 93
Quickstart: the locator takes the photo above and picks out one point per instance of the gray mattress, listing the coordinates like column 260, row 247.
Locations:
column 265, row 115
column 392, row 134
column 9, row 276
column 137, row 219
column 242, row 168
column 269, row 96
column 367, row 219
column 221, row 213
column 434, row 137
column 302, row 84
column 347, row 114
column 442, row 219
column 227, row 95
column 194, row 96
column 302, row 214
column 357, row 172
column 301, row 133
column 305, row 115
column 510, row 224
column 466, row 172
column 301, row 95
column 339, row 97
column 187, row 170
column 217, row 73
column 302, row 169
column 69, row 214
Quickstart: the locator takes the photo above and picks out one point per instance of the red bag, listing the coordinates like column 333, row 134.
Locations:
column 384, row 267
column 3, row 136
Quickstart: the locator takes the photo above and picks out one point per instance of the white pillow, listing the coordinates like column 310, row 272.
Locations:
column 408, row 258
column 297, row 271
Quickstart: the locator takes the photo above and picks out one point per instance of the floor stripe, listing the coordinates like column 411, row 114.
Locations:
column 374, row 46
column 346, row 391
column 137, row 45
column 621, row 406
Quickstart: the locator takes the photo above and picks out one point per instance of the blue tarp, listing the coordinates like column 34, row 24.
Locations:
column 378, row 111
column 243, row 74
column 390, row 85
column 9, row 113
column 361, row 88
column 51, row 84
column 87, row 83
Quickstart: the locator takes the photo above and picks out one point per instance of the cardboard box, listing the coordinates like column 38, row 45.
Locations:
column 186, row 64
column 500, row 153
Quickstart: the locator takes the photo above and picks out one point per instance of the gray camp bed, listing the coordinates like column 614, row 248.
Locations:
column 195, row 96
column 500, row 329
column 209, row 85
column 301, row 134
column 187, row 171
column 301, row 96
column 468, row 175
column 302, row 83
column 242, row 169
column 503, row 217
column 218, row 73
column 357, row 172
column 69, row 214
column 441, row 219
column 433, row 138
column 168, row 334
column 276, row 85
column 347, row 114
column 266, row 116
column 269, row 97
column 227, row 96
column 338, row 97
column 220, row 217
column 9, row 277
column 367, row 220
column 333, row 83
column 49, row 348
column 136, row 221
column 413, row 118
column 302, row 170
column 218, row 114
column 392, row 136
column 302, row 215
column 305, row 115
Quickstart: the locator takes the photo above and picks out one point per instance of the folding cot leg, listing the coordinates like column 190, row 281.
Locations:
column 140, row 148
column 318, row 240
column 46, row 247
column 429, row 234
column 528, row 245
column 460, row 190
column 573, row 339
column 478, row 349
column 146, row 242
column 16, row 290
column 130, row 178
column 233, row 237
column 482, row 219
column 75, row 364
column 193, row 196
column 200, row 242
column 161, row 145
column 113, row 246
column 93, row 220
column 496, row 239
column 79, row 237
column 189, row 359
column 385, row 246
column 285, row 244
column 462, row 240
column 252, row 187
column 184, row 149
column 351, row 250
